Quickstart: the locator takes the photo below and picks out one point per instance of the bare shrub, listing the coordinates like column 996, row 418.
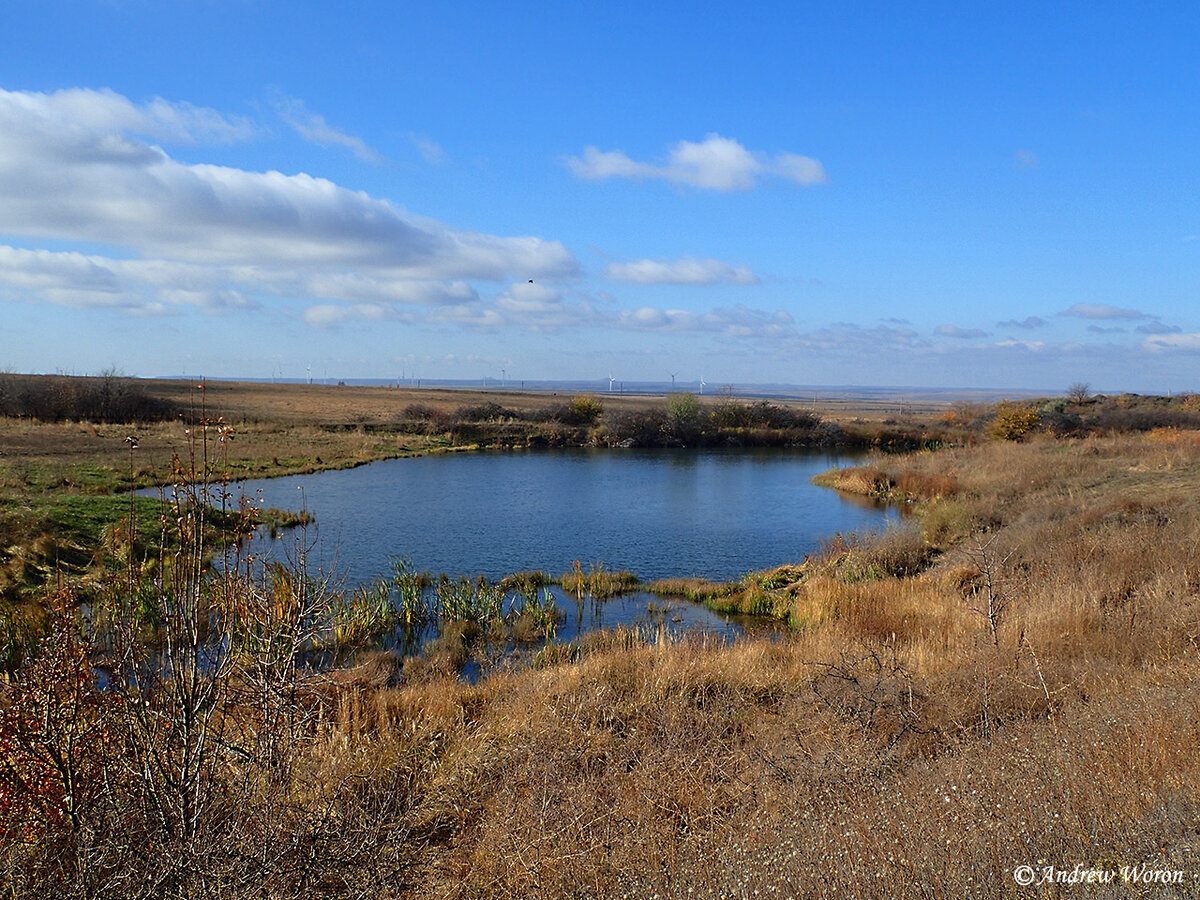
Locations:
column 486, row 412
column 1079, row 392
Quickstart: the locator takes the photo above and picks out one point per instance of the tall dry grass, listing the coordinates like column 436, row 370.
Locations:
column 898, row 743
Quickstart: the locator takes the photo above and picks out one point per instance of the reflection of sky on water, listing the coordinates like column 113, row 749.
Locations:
column 716, row 514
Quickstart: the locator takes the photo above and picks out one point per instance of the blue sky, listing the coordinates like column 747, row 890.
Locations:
column 946, row 195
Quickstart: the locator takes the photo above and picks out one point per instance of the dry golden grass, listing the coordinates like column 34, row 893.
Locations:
column 889, row 748
column 893, row 745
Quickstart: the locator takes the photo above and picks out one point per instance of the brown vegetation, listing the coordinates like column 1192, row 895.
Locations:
column 1006, row 680
column 901, row 742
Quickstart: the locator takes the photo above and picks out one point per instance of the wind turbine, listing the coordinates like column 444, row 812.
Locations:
column 610, row 382
column 702, row 384
column 673, row 374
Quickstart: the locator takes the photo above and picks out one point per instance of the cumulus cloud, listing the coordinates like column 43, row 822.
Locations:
column 80, row 166
column 66, row 179
column 1102, row 311
column 523, row 306
column 682, row 271
column 313, row 128
column 327, row 315
column 1100, row 329
column 376, row 287
column 716, row 163
column 99, row 118
column 1031, row 346
column 735, row 322
column 69, row 278
column 1027, row 322
column 1172, row 343
column 954, row 331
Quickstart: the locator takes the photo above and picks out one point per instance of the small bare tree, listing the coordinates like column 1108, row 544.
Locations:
column 990, row 599
column 1079, row 392
column 204, row 660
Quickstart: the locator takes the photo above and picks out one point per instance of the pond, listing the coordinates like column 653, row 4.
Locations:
column 714, row 514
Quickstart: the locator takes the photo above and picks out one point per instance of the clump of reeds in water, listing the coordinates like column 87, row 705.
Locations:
column 598, row 583
column 468, row 600
column 453, row 614
column 534, row 616
column 521, row 581
column 361, row 614
column 412, row 609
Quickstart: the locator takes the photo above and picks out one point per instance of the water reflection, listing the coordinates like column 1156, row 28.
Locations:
column 715, row 514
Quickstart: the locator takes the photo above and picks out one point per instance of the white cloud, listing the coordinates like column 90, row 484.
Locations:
column 375, row 288
column 523, row 306
column 1102, row 311
column 529, row 297
column 797, row 168
column 1172, row 343
column 99, row 117
column 731, row 322
column 847, row 337
column 313, row 128
column 1031, row 346
column 716, row 163
column 73, row 279
column 327, row 315
column 91, row 181
column 681, row 271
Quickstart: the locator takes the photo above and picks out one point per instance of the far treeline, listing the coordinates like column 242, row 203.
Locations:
column 107, row 398
column 677, row 420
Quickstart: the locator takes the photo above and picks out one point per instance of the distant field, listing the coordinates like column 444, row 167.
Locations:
column 329, row 404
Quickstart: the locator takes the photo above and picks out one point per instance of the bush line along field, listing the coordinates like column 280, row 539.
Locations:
column 1007, row 680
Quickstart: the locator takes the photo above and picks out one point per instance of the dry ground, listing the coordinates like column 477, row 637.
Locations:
column 896, row 746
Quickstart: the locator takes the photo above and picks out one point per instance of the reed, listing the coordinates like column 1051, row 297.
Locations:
column 361, row 614
column 464, row 599
column 534, row 616
column 598, row 582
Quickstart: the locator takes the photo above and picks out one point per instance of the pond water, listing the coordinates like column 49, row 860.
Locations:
column 715, row 514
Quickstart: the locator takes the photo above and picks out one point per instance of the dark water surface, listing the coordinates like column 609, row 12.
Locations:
column 717, row 514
